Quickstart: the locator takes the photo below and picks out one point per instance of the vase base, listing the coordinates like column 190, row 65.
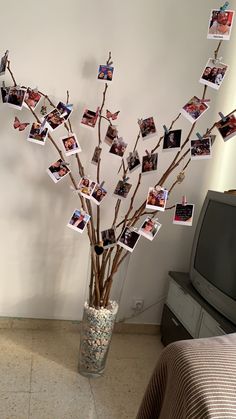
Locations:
column 89, row 374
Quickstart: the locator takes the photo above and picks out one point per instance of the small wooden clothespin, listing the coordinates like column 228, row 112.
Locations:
column 148, row 153
column 64, row 163
column 184, row 200
column 217, row 60
column 199, row 136
column 3, row 84
column 224, row 7
column 125, row 179
column 222, row 116
column 158, row 188
column 166, row 129
column 101, row 184
column 204, row 100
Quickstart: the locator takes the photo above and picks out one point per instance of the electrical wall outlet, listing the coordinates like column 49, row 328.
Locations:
column 138, row 304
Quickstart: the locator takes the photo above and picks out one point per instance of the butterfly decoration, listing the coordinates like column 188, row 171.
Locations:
column 19, row 125
column 112, row 116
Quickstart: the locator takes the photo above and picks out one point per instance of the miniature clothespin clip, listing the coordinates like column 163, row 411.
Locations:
column 180, row 177
column 224, row 7
column 125, row 179
column 3, row 84
column 199, row 136
column 101, row 184
column 184, row 200
column 217, row 60
column 205, row 100
column 64, row 163
column 222, row 116
column 140, row 121
column 148, row 153
column 158, row 188
column 166, row 129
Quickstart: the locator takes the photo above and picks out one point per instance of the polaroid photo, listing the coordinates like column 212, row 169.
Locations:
column 58, row 170
column 71, row 144
column 16, row 97
column 86, row 187
column 149, row 228
column 200, row 149
column 128, row 239
column 183, row 214
column 32, row 98
column 3, row 63
column 156, row 199
column 172, row 140
column 108, row 238
column 4, row 93
column 111, row 134
column 98, row 194
column 213, row 73
column 65, row 110
column 89, row 118
column 36, row 134
column 220, row 24
column 122, row 189
column 147, row 128
column 105, row 72
column 78, row 221
column 96, row 155
column 118, row 147
column 194, row 109
column 227, row 128
column 133, row 161
column 54, row 119
column 149, row 163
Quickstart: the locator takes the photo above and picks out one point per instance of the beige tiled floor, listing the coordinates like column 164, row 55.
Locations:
column 39, row 378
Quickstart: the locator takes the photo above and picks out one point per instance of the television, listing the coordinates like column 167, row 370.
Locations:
column 213, row 257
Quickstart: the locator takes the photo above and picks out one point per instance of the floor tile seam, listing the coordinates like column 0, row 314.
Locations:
column 31, row 372
column 93, row 397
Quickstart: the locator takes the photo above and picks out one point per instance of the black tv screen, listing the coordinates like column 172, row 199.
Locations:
column 215, row 257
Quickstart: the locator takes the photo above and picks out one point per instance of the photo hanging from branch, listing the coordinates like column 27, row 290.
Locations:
column 183, row 214
column 78, row 221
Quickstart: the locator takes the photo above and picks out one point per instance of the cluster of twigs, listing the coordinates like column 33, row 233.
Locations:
column 104, row 267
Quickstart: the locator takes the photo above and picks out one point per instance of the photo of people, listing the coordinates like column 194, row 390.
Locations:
column 149, row 162
column 128, row 239
column 58, row 170
column 65, row 110
column 108, row 238
column 200, row 149
column 98, row 194
column 149, row 228
column 213, row 74
column 122, row 189
column 96, row 155
column 3, row 63
column 54, row 119
column 71, row 144
column 118, row 147
column 111, row 134
column 227, row 127
column 156, row 199
column 78, row 221
column 15, row 97
column 105, row 72
column 172, row 140
column 133, row 161
column 220, row 24
column 147, row 127
column 86, row 187
column 37, row 135
column 89, row 118
column 183, row 214
column 194, row 109
column 32, row 98
column 4, row 94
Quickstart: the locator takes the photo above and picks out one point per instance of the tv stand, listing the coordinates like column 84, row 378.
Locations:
column 186, row 315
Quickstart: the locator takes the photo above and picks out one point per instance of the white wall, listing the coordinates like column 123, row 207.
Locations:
column 159, row 52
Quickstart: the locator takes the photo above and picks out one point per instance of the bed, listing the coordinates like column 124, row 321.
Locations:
column 194, row 379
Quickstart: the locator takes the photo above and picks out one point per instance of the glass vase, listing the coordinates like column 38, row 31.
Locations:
column 95, row 337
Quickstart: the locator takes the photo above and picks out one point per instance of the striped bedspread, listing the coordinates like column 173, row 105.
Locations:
column 194, row 379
